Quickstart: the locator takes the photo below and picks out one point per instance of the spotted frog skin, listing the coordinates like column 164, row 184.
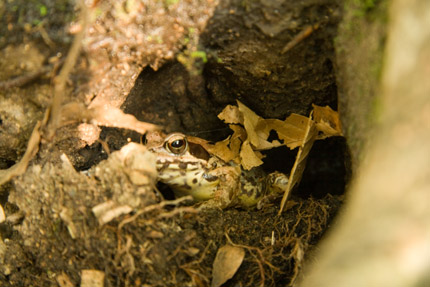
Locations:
column 189, row 169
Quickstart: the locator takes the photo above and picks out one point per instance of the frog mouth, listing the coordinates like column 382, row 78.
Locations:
column 187, row 178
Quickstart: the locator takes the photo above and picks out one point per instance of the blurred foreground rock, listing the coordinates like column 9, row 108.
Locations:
column 382, row 239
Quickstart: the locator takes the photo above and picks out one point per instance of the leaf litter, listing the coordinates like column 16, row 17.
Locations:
column 251, row 135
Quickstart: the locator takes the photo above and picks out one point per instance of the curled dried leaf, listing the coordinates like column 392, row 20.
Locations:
column 227, row 261
column 249, row 157
column 250, row 121
column 300, row 162
column 228, row 149
column 103, row 116
column 327, row 121
column 293, row 132
column 223, row 151
column 231, row 115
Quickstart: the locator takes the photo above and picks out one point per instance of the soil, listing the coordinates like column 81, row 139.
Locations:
column 176, row 64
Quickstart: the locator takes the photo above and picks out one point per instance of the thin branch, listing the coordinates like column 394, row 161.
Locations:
column 306, row 32
column 61, row 80
column 20, row 167
column 53, row 112
column 24, row 79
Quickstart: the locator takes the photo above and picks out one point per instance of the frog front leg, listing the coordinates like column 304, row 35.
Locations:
column 225, row 192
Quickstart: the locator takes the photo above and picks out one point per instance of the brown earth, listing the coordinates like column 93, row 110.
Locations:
column 176, row 64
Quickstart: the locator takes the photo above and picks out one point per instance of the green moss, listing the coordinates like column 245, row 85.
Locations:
column 359, row 48
column 43, row 10
column 374, row 10
column 363, row 6
column 200, row 54
column 171, row 2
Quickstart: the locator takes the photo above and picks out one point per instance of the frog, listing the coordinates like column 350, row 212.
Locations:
column 187, row 166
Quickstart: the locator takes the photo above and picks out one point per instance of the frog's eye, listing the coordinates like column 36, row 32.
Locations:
column 176, row 144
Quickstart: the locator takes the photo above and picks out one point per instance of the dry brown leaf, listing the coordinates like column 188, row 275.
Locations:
column 222, row 150
column 249, row 157
column 103, row 116
column 114, row 117
column 327, row 121
column 290, row 131
column 300, row 162
column 238, row 137
column 254, row 136
column 239, row 133
column 256, row 131
column 228, row 149
column 293, row 130
column 231, row 115
column 228, row 259
column 250, row 121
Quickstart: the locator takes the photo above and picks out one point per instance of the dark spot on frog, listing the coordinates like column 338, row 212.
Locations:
column 194, row 180
column 249, row 192
column 183, row 165
column 210, row 177
column 182, row 172
column 163, row 167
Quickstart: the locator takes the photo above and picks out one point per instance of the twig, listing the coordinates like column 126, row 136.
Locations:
column 44, row 34
column 53, row 112
column 24, row 79
column 153, row 207
column 20, row 167
column 306, row 32
column 61, row 79
column 260, row 266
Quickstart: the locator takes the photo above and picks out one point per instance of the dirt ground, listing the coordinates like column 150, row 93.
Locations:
column 175, row 64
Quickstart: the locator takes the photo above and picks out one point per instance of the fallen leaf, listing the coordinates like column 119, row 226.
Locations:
column 228, row 149
column 295, row 131
column 222, row 150
column 290, row 131
column 227, row 261
column 231, row 115
column 250, row 121
column 249, row 157
column 300, row 162
column 327, row 122
column 103, row 116
column 238, row 137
